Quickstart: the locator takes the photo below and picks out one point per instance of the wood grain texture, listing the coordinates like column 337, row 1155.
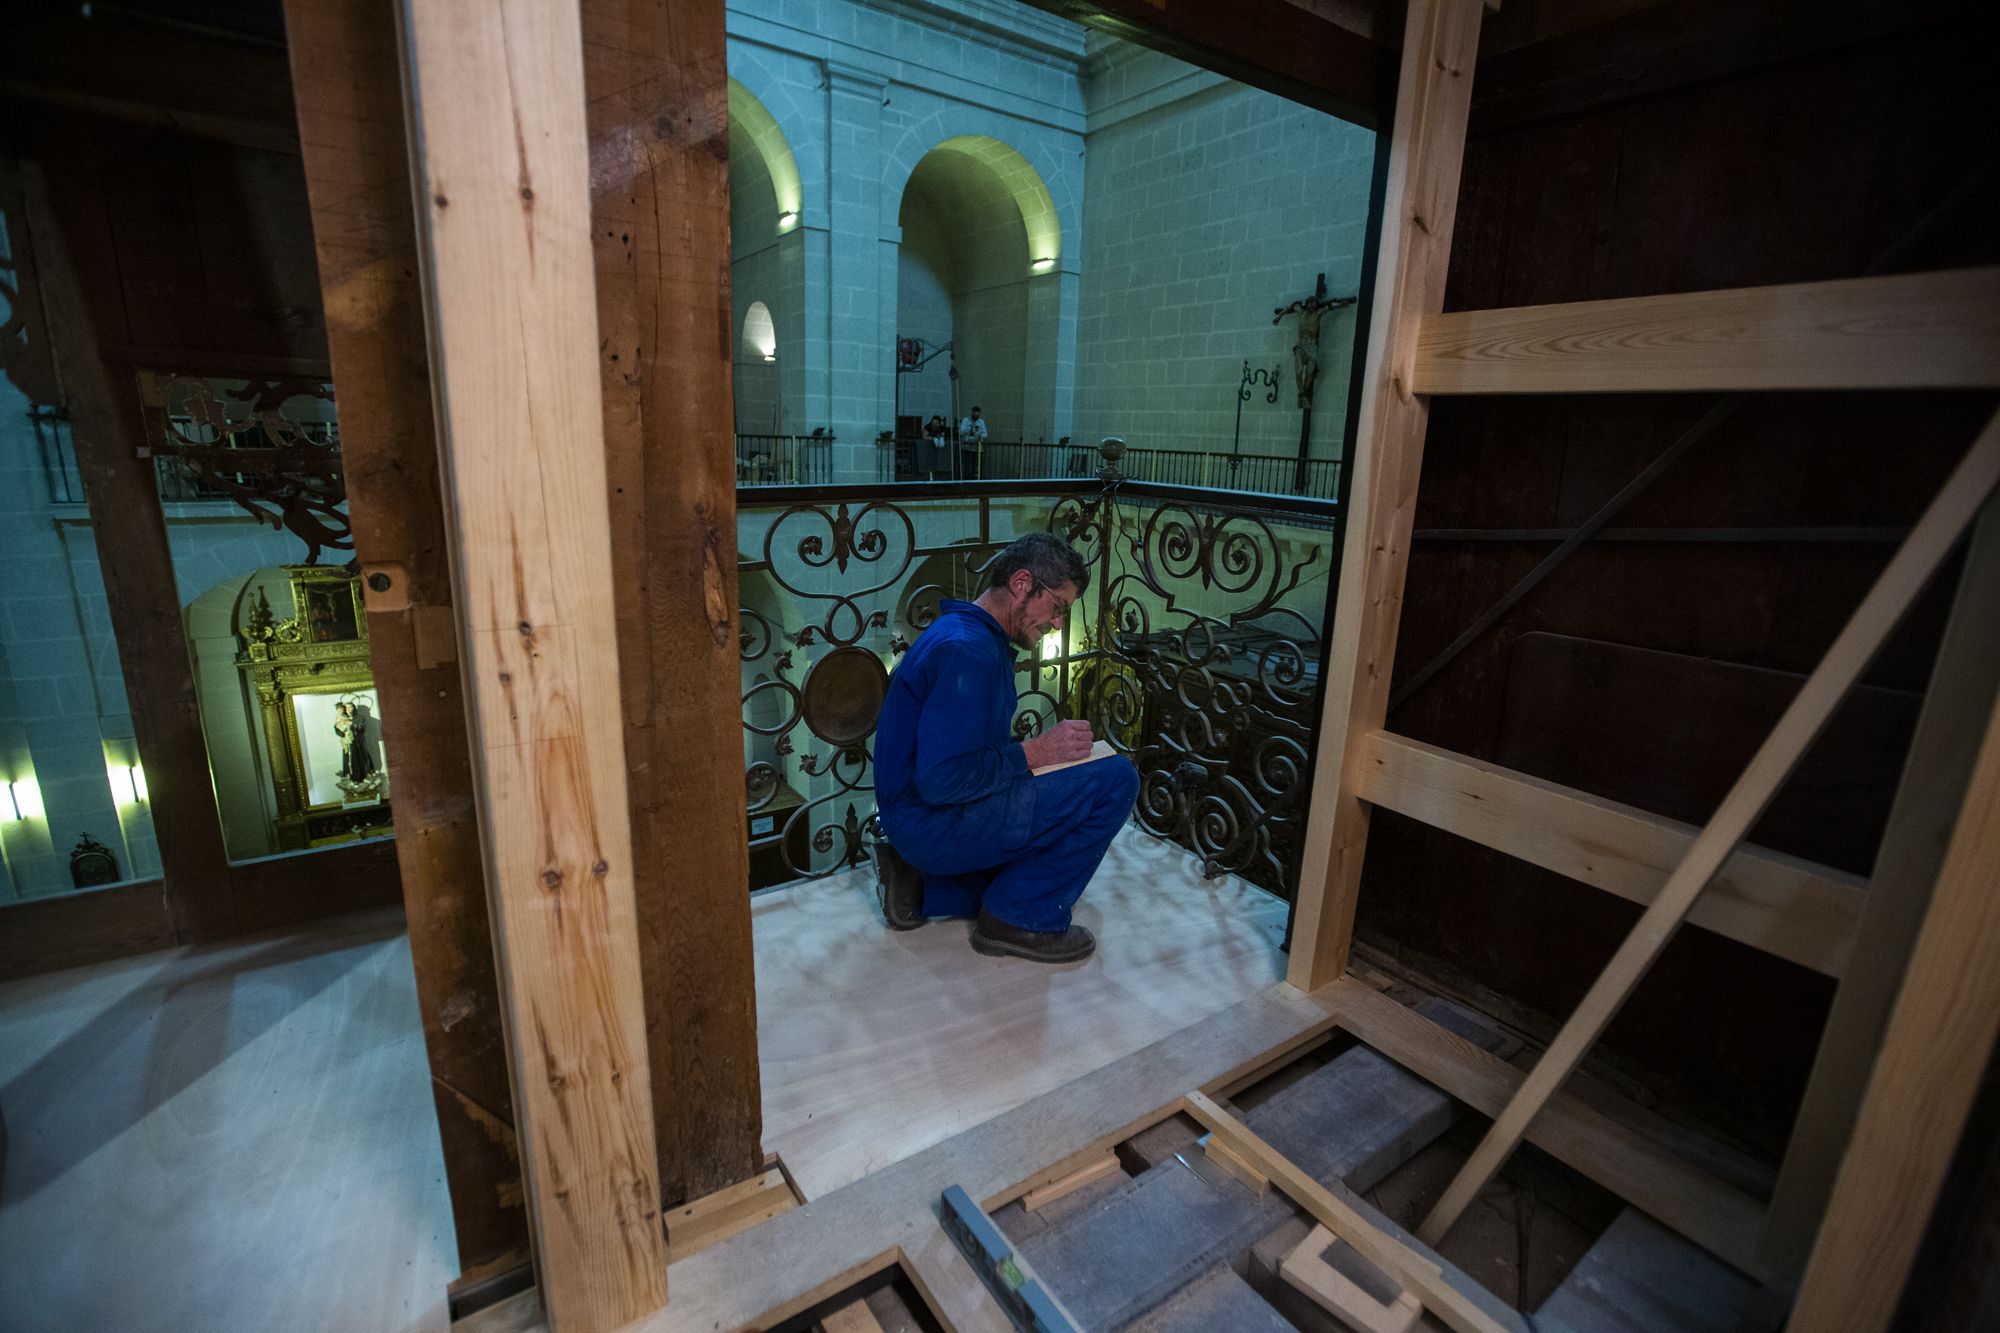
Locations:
column 352, row 138
column 1963, row 688
column 1440, row 45
column 1722, row 1220
column 1447, row 1300
column 1768, row 900
column 1937, row 1047
column 657, row 84
column 1933, row 538
column 1908, row 331
column 497, row 109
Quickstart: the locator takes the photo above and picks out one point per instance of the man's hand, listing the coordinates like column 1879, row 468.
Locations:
column 1061, row 744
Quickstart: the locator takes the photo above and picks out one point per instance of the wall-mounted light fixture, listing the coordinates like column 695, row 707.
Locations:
column 128, row 782
column 786, row 219
column 1042, row 265
column 1052, row 645
column 24, row 798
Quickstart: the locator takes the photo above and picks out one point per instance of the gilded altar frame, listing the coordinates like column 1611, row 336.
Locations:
column 321, row 649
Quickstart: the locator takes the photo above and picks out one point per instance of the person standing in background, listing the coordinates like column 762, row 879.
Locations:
column 971, row 443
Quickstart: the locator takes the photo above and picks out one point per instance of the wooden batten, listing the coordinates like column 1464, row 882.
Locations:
column 1768, row 900
column 496, row 103
column 1938, row 1045
column 658, row 112
column 1440, row 45
column 356, row 158
column 1933, row 538
column 1963, row 688
column 1907, row 331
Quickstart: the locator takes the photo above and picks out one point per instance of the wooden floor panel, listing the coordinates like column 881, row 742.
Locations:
column 931, row 1038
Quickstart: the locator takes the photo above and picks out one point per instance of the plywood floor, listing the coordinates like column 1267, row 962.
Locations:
column 241, row 1137
column 931, row 1038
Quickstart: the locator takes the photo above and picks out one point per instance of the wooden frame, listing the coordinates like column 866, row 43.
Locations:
column 497, row 117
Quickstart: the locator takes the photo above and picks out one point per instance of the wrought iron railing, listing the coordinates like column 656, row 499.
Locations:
column 1017, row 460
column 1195, row 650
column 784, row 460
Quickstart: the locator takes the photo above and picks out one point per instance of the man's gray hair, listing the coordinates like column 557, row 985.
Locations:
column 1051, row 560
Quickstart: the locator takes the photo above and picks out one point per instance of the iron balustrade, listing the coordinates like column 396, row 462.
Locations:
column 1195, row 650
column 784, row 460
column 1015, row 460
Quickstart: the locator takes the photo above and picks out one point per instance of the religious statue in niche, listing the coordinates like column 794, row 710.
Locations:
column 1305, row 352
column 359, row 778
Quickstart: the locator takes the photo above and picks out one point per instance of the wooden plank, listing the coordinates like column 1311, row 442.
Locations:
column 1933, row 538
column 356, row 156
column 1722, row 1220
column 951, row 1286
column 657, row 83
column 497, row 117
column 71, row 929
column 1307, row 1269
column 1768, row 900
column 1417, row 1273
column 76, row 258
column 1963, row 687
column 1906, row 331
column 1043, row 1195
column 852, row 1318
column 716, row 1217
column 1440, row 45
column 1233, row 1164
column 1939, row 1041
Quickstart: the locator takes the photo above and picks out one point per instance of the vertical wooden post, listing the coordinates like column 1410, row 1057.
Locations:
column 497, row 117
column 78, row 268
column 1939, row 1040
column 658, row 87
column 1963, row 687
column 1440, row 45
column 357, row 165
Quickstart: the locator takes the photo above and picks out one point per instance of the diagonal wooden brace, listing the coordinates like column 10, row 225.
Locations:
column 1929, row 543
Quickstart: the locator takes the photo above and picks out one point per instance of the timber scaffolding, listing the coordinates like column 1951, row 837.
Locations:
column 561, row 192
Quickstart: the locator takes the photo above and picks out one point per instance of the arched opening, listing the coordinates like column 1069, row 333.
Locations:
column 767, row 276
column 979, row 232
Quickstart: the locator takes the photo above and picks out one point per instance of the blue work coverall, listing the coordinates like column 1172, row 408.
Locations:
column 956, row 797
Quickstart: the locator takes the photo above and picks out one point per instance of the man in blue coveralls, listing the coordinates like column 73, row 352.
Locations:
column 974, row 833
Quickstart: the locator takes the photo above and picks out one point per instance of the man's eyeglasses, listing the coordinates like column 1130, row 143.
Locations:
column 1062, row 605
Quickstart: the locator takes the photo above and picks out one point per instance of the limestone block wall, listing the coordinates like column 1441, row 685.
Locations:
column 1208, row 205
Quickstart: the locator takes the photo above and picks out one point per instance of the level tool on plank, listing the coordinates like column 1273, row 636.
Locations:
column 1029, row 1303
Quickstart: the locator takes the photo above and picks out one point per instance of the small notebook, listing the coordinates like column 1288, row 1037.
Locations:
column 1101, row 750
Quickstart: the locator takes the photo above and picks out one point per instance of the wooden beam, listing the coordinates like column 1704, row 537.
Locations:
column 1419, row 203
column 1937, row 1049
column 1933, row 538
column 1768, row 900
column 77, row 261
column 657, row 80
column 497, row 118
column 356, row 157
column 1964, row 685
column 1722, row 1220
column 1299, row 52
column 1907, row 331
column 1449, row 1301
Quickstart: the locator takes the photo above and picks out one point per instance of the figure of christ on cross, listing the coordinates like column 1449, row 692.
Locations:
column 1305, row 352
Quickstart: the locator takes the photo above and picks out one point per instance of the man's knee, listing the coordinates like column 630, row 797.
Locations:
column 1117, row 785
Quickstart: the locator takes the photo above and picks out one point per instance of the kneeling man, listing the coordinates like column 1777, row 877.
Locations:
column 971, row 831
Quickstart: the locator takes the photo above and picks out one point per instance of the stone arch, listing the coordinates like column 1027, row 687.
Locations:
column 766, row 213
column 1042, row 183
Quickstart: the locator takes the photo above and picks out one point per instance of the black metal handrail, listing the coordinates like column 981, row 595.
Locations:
column 784, row 460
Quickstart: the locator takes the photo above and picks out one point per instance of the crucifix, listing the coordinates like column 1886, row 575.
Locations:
column 1305, row 357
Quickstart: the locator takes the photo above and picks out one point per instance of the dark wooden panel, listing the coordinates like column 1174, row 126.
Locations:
column 357, row 168
column 72, row 929
column 656, row 78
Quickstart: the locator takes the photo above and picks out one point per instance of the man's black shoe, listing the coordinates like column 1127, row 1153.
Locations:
column 900, row 886
column 991, row 935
